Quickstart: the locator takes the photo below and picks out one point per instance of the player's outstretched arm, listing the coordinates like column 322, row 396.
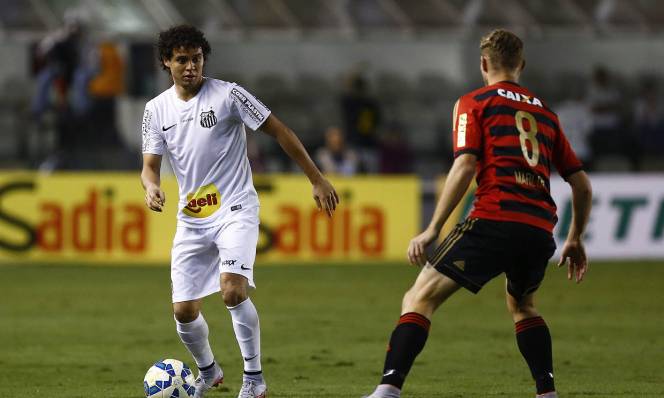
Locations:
column 574, row 253
column 323, row 192
column 456, row 184
column 150, row 178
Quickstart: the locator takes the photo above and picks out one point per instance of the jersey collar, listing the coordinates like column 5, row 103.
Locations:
column 192, row 100
column 509, row 82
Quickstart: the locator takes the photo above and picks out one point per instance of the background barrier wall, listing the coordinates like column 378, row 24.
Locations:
column 101, row 218
column 627, row 220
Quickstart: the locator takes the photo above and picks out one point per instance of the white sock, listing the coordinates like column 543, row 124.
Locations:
column 248, row 334
column 194, row 335
column 386, row 391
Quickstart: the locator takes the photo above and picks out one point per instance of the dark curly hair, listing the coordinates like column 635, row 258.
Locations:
column 178, row 36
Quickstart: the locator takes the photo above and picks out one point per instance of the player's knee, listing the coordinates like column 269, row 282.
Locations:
column 522, row 310
column 424, row 297
column 234, row 296
column 422, row 301
column 415, row 298
column 234, row 289
column 185, row 314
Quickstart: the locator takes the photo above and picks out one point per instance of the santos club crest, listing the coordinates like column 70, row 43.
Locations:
column 208, row 119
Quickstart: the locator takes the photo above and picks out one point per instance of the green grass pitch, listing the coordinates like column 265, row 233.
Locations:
column 93, row 331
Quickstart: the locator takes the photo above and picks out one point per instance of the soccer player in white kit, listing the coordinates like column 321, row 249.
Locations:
column 200, row 122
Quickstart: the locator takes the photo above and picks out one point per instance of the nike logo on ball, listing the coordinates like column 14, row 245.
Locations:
column 164, row 128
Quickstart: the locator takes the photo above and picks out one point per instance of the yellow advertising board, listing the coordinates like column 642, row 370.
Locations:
column 101, row 218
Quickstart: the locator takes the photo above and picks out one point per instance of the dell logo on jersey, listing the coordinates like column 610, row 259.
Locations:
column 195, row 205
column 519, row 97
column 208, row 119
column 203, row 202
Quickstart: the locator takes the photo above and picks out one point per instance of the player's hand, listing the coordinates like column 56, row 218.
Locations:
column 574, row 255
column 154, row 198
column 416, row 247
column 325, row 196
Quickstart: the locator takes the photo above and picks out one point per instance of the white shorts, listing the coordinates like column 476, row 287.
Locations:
column 200, row 255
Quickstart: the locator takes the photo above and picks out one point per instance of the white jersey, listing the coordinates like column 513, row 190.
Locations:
column 206, row 140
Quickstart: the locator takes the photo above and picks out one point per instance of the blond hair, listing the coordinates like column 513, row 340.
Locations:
column 503, row 48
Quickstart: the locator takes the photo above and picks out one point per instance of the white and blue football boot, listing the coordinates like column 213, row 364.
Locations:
column 252, row 389
column 203, row 386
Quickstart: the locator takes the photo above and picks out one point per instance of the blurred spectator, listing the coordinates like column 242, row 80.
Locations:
column 57, row 57
column 361, row 115
column 576, row 121
column 86, row 78
column 101, row 82
column 649, row 118
column 443, row 150
column 396, row 156
column 335, row 157
column 608, row 136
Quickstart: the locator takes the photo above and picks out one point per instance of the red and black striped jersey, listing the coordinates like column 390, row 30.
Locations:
column 515, row 138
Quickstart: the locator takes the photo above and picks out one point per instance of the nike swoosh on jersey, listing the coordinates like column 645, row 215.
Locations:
column 244, row 268
column 164, row 128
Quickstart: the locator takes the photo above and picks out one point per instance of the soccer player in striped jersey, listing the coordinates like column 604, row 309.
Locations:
column 507, row 138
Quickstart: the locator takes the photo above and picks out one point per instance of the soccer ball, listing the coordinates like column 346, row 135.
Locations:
column 169, row 378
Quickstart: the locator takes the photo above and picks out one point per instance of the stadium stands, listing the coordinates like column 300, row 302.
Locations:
column 420, row 98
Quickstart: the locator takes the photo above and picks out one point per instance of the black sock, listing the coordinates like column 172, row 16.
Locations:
column 208, row 367
column 208, row 372
column 255, row 376
column 534, row 341
column 406, row 343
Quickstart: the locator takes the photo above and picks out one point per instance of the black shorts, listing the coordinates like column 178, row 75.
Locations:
column 478, row 250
